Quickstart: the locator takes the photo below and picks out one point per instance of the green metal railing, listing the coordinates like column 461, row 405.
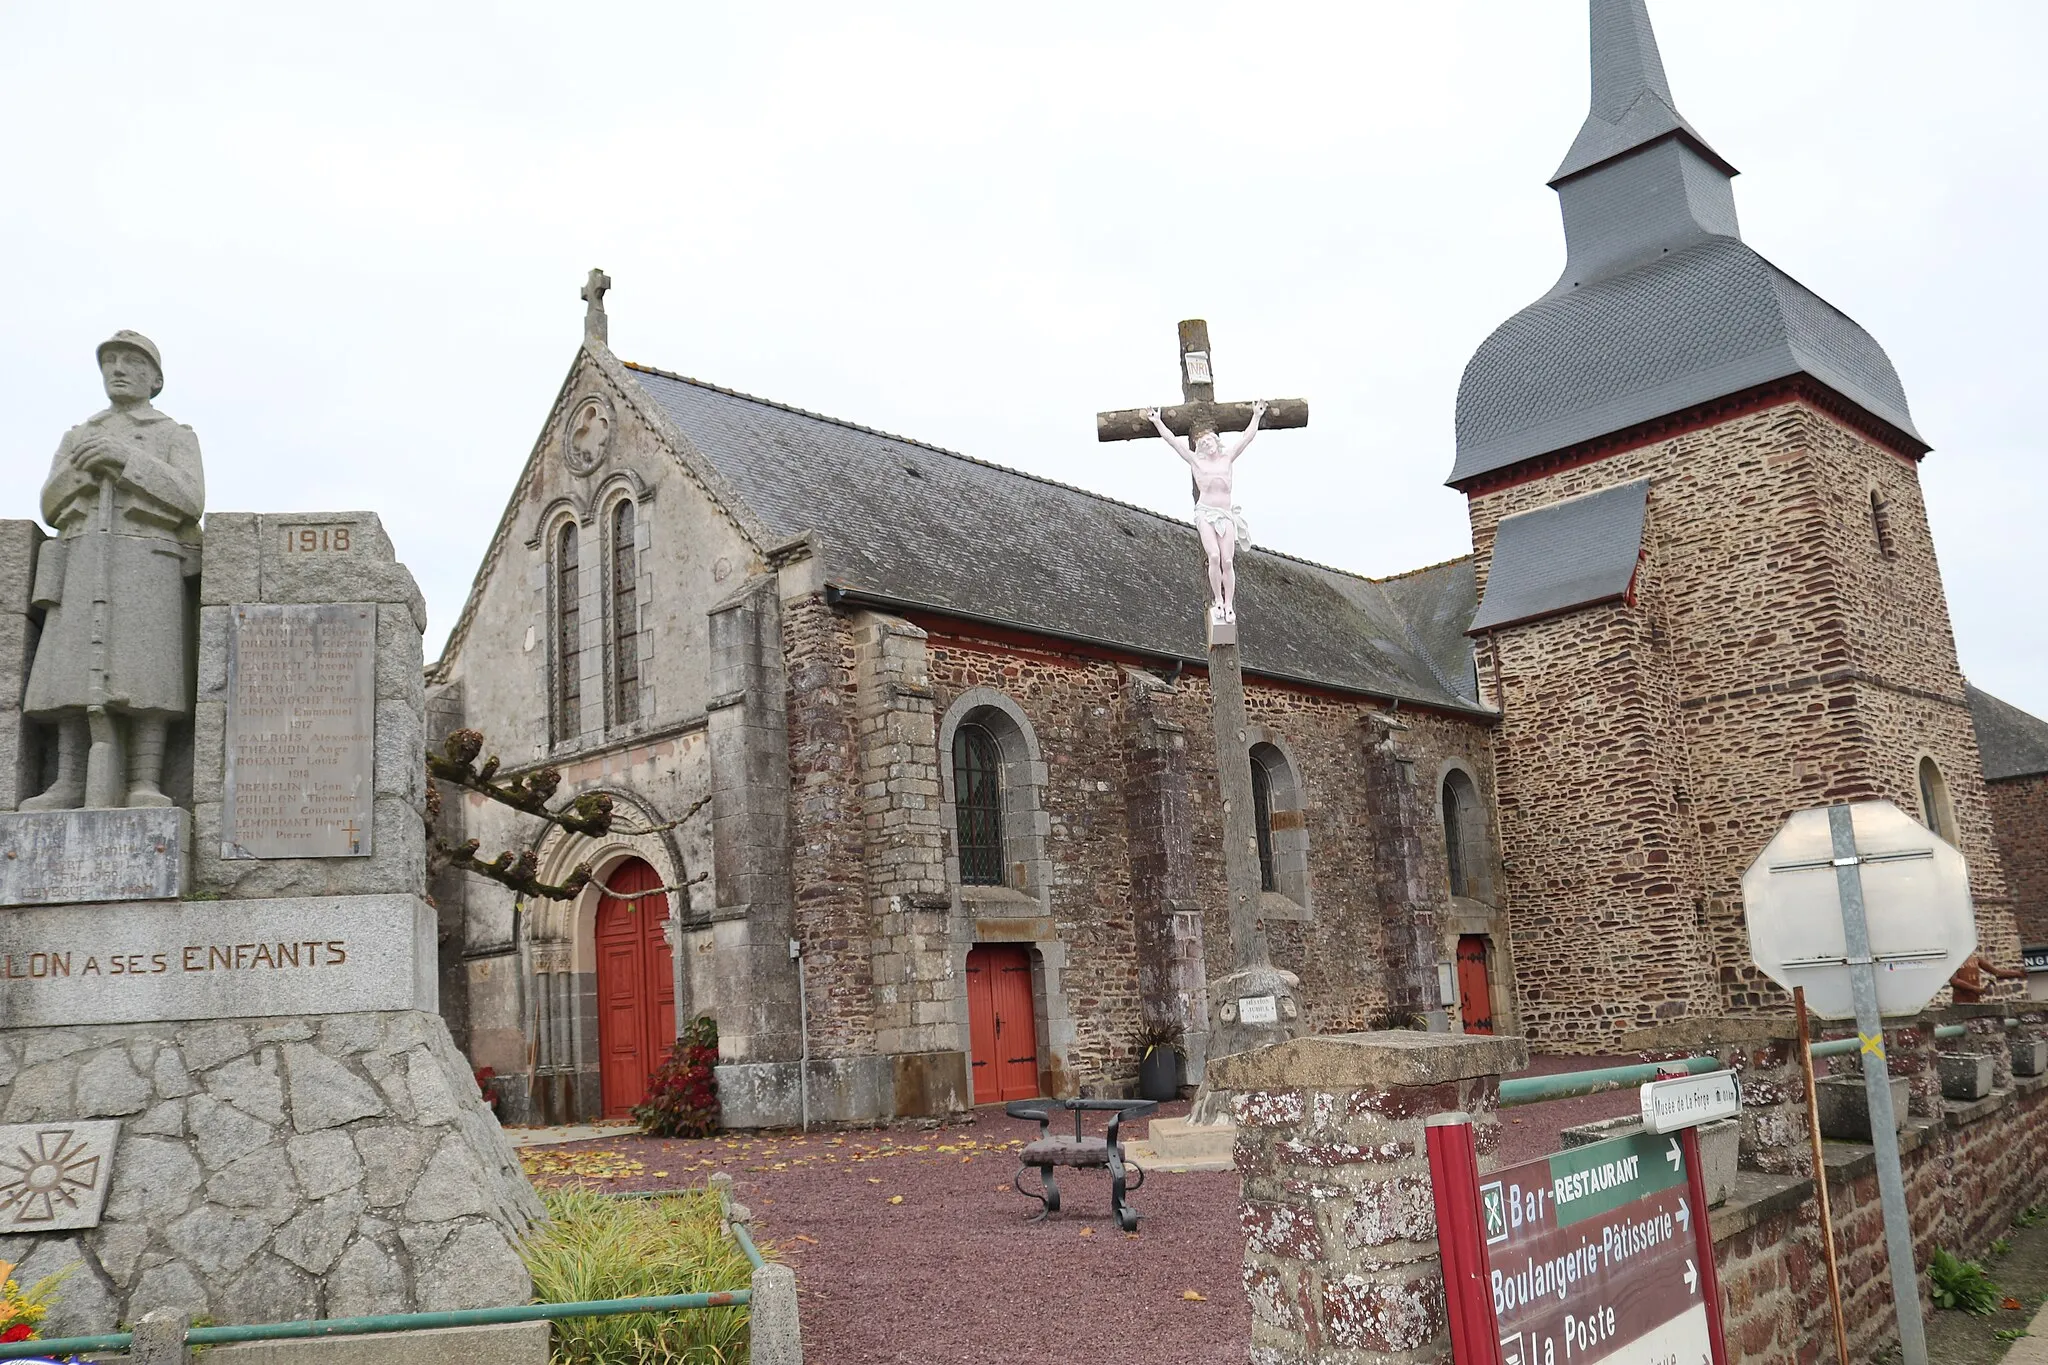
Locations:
column 1571, row 1085
column 409, row 1322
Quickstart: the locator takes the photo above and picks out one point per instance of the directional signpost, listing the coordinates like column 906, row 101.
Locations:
column 1869, row 912
column 1596, row 1254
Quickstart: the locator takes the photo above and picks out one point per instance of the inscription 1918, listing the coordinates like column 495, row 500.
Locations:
column 301, row 761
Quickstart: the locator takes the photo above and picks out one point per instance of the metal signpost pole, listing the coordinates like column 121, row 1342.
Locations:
column 1461, row 1238
column 1898, row 1229
column 1703, row 1239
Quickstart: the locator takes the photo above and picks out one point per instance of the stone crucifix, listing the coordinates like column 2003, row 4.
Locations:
column 1254, row 1004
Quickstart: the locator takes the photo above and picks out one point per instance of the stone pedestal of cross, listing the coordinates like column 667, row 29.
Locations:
column 1255, row 1003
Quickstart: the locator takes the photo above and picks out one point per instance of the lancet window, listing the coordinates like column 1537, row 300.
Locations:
column 625, row 614
column 568, row 633
column 978, row 805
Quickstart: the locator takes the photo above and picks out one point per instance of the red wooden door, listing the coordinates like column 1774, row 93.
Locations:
column 1002, row 1029
column 636, row 988
column 1475, row 989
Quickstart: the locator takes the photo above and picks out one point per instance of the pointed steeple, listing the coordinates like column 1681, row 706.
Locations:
column 1661, row 305
column 1632, row 104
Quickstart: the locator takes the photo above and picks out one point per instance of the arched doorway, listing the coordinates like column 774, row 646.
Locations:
column 636, row 986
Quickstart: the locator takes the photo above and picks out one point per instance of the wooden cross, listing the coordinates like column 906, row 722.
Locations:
column 594, row 321
column 1199, row 412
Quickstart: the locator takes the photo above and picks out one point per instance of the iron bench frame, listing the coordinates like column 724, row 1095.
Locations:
column 1106, row 1151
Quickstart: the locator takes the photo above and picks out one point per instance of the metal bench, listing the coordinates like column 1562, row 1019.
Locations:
column 1047, row 1152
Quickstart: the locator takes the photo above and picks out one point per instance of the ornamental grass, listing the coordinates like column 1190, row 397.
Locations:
column 596, row 1246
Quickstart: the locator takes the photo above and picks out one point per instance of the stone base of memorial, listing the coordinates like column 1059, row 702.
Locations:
column 225, row 1087
column 267, row 1168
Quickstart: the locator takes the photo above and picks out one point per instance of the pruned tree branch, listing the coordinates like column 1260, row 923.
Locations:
column 590, row 814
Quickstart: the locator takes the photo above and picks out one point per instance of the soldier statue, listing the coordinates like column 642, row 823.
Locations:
column 111, row 671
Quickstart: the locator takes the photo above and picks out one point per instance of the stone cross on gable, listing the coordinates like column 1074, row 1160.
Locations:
column 594, row 322
column 1199, row 411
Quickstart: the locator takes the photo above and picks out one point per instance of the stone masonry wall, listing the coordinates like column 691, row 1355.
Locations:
column 270, row 1169
column 1080, row 706
column 2019, row 818
column 1967, row 1172
column 1807, row 660
column 826, row 828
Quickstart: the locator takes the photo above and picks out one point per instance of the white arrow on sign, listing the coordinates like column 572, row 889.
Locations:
column 1692, row 1278
column 1673, row 1156
column 1684, row 1216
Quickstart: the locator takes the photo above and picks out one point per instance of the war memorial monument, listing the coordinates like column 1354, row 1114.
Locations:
column 225, row 1087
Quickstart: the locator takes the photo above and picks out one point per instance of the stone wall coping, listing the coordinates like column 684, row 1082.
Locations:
column 1755, row 1196
column 1369, row 1061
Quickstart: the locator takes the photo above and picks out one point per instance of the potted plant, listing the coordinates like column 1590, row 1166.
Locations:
column 1159, row 1064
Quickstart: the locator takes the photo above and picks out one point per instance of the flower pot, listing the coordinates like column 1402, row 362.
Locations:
column 1159, row 1075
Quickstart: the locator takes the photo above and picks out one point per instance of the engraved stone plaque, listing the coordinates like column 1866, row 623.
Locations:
column 301, row 731
column 69, row 965
column 54, row 1176
column 58, row 856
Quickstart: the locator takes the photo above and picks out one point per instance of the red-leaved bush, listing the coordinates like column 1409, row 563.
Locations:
column 682, row 1096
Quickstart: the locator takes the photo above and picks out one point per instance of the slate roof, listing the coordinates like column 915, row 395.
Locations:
column 2011, row 742
column 1700, row 323
column 1568, row 554
column 913, row 525
column 1661, row 306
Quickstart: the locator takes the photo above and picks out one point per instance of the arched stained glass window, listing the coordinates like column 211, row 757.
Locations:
column 1262, row 820
column 1461, row 813
column 568, row 635
column 978, row 805
column 625, row 616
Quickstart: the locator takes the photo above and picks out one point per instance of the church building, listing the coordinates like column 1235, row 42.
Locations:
column 921, row 745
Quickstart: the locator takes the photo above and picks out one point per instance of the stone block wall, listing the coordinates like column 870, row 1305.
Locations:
column 274, row 1168
column 1778, row 654
column 1101, row 742
column 246, row 562
column 1341, row 1260
column 2019, row 819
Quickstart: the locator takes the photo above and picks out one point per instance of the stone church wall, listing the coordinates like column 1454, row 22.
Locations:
column 498, row 676
column 1080, row 707
column 1808, row 659
column 2019, row 811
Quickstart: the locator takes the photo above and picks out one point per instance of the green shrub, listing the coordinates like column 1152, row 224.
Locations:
column 1961, row 1284
column 682, row 1096
column 598, row 1247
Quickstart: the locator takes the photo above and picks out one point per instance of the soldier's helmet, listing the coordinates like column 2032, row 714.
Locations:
column 135, row 341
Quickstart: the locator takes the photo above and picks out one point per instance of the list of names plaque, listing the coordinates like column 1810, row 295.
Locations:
column 301, row 731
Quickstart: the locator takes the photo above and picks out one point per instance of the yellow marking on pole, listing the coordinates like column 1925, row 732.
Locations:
column 1873, row 1043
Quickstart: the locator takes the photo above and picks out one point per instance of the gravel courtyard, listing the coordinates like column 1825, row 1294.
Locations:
column 911, row 1244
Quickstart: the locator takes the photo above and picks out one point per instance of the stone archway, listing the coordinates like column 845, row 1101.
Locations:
column 564, row 1034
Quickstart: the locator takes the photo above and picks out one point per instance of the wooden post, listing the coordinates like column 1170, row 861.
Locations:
column 1820, row 1177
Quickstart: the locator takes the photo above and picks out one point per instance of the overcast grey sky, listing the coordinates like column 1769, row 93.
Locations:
column 358, row 235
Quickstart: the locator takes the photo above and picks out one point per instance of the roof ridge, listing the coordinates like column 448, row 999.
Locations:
column 1426, row 568
column 987, row 464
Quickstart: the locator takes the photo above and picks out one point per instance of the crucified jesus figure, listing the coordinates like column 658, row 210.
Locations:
column 1219, row 520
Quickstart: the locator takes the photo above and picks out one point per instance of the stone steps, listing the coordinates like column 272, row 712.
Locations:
column 1181, row 1145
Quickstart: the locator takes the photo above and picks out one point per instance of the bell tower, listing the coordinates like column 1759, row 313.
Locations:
column 1709, row 596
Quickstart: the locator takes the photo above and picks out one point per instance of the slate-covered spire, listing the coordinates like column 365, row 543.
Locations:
column 1661, row 305
column 1638, row 181
column 1632, row 104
